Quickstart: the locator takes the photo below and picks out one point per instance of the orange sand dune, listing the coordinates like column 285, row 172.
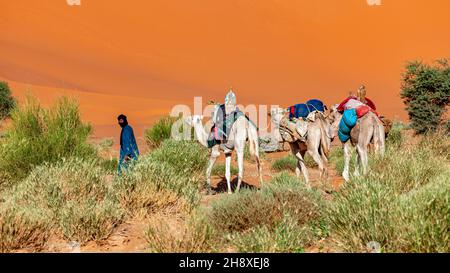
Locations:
column 151, row 54
column 99, row 109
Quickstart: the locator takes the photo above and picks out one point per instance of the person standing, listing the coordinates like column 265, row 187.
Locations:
column 128, row 147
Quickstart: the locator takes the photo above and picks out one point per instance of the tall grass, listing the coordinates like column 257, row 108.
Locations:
column 170, row 176
column 282, row 217
column 289, row 163
column 403, row 203
column 220, row 169
column 70, row 199
column 37, row 136
column 159, row 132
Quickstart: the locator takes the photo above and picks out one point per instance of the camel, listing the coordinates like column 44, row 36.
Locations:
column 239, row 133
column 369, row 129
column 317, row 143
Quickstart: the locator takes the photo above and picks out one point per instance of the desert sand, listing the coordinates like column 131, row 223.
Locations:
column 142, row 57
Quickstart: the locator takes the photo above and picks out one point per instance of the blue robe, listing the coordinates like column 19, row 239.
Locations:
column 128, row 147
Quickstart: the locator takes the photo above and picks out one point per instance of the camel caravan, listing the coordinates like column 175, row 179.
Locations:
column 307, row 127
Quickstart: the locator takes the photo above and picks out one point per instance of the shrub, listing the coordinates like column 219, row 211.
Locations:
column 38, row 136
column 286, row 237
column 185, row 157
column 395, row 136
column 7, row 102
column 426, row 218
column 437, row 143
column 105, row 144
column 169, row 177
column 110, row 165
column 69, row 198
column 159, row 132
column 426, row 94
column 219, row 170
column 22, row 227
column 192, row 238
column 284, row 210
column 287, row 163
column 400, row 204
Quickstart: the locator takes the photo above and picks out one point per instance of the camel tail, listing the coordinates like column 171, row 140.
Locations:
column 254, row 149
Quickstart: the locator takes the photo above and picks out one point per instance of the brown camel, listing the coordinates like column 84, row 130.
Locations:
column 369, row 129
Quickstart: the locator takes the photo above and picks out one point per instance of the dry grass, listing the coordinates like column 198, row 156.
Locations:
column 403, row 203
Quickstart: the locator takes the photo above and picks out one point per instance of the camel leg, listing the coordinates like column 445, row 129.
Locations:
column 363, row 160
column 240, row 158
column 258, row 165
column 315, row 155
column 302, row 167
column 294, row 150
column 347, row 157
column 300, row 154
column 313, row 151
column 356, row 172
column 215, row 152
column 228, row 171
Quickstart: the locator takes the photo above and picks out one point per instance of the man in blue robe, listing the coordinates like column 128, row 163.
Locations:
column 128, row 148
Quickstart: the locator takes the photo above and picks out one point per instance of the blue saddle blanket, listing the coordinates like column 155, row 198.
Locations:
column 302, row 110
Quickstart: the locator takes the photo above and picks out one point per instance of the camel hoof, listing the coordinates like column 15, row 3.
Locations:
column 230, row 192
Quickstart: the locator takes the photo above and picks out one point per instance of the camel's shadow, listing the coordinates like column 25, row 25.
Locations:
column 222, row 187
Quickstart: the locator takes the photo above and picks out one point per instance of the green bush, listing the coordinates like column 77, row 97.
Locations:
column 395, row 136
column 191, row 238
column 23, row 226
column 283, row 213
column 37, row 136
column 219, row 170
column 159, row 132
column 70, row 198
column 150, row 185
column 426, row 94
column 170, row 176
column 106, row 144
column 287, row 163
column 185, row 157
column 403, row 204
column 285, row 237
column 7, row 102
column 110, row 165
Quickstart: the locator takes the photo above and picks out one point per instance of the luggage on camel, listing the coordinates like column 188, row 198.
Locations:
column 352, row 102
column 296, row 128
column 302, row 110
column 348, row 121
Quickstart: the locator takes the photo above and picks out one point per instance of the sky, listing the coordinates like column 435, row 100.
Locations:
column 141, row 57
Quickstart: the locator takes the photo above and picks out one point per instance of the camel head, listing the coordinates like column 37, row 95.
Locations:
column 193, row 120
column 333, row 119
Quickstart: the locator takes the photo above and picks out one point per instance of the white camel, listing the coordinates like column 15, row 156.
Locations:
column 317, row 142
column 239, row 133
column 368, row 129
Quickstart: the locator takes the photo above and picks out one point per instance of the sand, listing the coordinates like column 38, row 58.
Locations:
column 142, row 57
